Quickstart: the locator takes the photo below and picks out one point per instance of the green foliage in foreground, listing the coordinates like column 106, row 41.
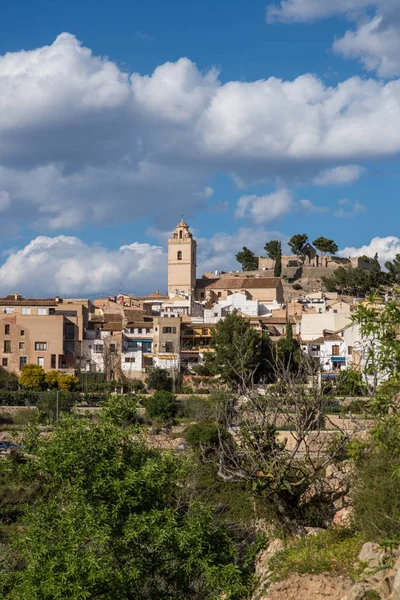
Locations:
column 111, row 522
column 163, row 405
column 332, row 551
column 377, row 483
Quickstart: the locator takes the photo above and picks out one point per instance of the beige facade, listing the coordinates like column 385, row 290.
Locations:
column 166, row 335
column 182, row 250
column 316, row 261
column 31, row 340
column 264, row 289
column 45, row 331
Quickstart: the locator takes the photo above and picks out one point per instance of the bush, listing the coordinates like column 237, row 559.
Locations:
column 204, row 435
column 159, row 379
column 334, row 550
column 121, row 410
column 19, row 397
column 67, row 383
column 47, row 404
column 163, row 405
column 8, row 381
column 197, row 408
column 51, row 378
column 32, row 377
column 376, row 492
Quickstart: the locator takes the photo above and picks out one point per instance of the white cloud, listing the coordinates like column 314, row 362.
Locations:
column 375, row 40
column 309, row 208
column 375, row 43
column 339, row 175
column 264, row 209
column 66, row 265
column 353, row 208
column 307, row 11
column 386, row 247
column 82, row 142
column 218, row 252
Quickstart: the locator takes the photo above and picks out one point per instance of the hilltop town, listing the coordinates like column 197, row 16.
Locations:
column 124, row 336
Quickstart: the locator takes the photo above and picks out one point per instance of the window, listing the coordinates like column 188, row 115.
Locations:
column 219, row 294
column 25, row 311
column 146, row 346
column 205, row 332
column 7, row 347
column 7, row 329
column 69, row 331
column 335, row 350
column 22, row 362
column 98, row 348
column 21, row 345
column 349, row 349
column 113, row 348
column 181, row 234
column 53, row 361
column 22, row 332
column 8, row 310
column 202, row 295
column 179, row 255
column 133, row 345
column 4, row 362
column 40, row 345
column 42, row 311
column 40, row 361
column 335, row 311
column 130, row 359
column 315, row 348
column 169, row 347
column 169, row 329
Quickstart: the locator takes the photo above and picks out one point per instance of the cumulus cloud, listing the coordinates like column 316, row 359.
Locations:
column 81, row 141
column 309, row 208
column 218, row 252
column 66, row 265
column 264, row 209
column 386, row 247
column 375, row 39
column 339, row 175
column 349, row 209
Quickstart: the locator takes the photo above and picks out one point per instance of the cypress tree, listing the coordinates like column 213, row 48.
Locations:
column 278, row 262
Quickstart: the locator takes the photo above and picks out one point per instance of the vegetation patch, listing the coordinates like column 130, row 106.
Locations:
column 332, row 551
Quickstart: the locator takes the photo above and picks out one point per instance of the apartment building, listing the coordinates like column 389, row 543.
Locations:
column 44, row 331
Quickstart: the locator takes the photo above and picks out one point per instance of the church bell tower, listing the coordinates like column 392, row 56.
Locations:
column 182, row 250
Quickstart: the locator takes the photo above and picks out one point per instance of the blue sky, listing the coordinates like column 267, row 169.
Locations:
column 255, row 120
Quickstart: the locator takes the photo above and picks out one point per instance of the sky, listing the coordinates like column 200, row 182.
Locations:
column 255, row 120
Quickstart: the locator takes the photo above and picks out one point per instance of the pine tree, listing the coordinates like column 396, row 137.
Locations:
column 278, row 262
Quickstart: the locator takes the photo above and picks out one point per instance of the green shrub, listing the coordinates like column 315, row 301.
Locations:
column 22, row 416
column 197, row 408
column 163, row 405
column 8, row 381
column 47, row 405
column 376, row 495
column 334, row 550
column 204, row 435
column 121, row 410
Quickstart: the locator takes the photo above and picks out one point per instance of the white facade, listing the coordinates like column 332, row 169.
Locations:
column 313, row 325
column 238, row 302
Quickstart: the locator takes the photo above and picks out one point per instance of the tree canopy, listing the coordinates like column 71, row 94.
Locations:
column 110, row 522
column 247, row 259
column 272, row 249
column 325, row 245
column 32, row 377
column 393, row 267
column 242, row 355
column 297, row 241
